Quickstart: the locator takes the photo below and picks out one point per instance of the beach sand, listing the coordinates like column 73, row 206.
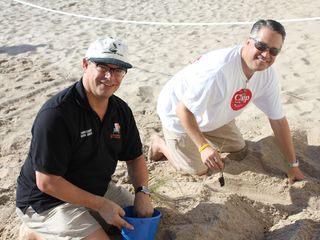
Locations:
column 41, row 54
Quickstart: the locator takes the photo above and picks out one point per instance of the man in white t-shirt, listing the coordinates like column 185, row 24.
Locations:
column 197, row 107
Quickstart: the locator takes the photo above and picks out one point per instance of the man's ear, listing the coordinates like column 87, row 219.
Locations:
column 248, row 41
column 85, row 64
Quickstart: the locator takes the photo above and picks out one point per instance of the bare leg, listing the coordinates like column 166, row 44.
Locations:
column 26, row 233
column 158, row 149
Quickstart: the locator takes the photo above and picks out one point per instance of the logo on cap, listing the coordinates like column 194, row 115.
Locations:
column 112, row 48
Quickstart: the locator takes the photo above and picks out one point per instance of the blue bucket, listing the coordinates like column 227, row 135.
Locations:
column 144, row 228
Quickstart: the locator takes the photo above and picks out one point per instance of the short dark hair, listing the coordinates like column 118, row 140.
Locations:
column 271, row 24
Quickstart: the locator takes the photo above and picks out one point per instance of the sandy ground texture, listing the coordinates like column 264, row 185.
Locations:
column 41, row 53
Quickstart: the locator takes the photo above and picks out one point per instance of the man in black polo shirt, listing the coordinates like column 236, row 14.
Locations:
column 78, row 137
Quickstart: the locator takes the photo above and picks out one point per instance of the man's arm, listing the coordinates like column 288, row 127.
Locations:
column 60, row 188
column 209, row 156
column 281, row 131
column 138, row 173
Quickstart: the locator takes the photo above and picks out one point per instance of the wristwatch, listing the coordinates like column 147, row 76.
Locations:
column 295, row 163
column 143, row 189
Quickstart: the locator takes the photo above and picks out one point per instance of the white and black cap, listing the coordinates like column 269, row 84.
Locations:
column 109, row 51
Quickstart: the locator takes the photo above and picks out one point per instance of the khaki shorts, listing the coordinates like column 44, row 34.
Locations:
column 69, row 221
column 185, row 153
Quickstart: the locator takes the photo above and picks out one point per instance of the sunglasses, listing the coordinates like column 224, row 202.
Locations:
column 263, row 47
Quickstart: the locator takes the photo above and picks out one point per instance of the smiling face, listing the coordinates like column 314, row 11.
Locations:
column 99, row 85
column 256, row 60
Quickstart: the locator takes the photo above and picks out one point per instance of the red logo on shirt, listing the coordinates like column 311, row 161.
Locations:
column 116, row 131
column 240, row 99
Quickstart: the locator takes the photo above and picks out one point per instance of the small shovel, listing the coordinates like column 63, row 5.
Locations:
column 221, row 179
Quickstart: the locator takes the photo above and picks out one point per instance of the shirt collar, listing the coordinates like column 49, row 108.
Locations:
column 82, row 99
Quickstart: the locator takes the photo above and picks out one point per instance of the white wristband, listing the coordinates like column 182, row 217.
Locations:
column 295, row 163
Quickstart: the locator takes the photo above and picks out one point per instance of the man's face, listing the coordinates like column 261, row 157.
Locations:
column 99, row 81
column 269, row 42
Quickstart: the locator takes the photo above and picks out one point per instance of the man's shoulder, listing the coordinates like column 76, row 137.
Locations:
column 119, row 104
column 60, row 103
column 59, row 98
column 224, row 54
column 217, row 59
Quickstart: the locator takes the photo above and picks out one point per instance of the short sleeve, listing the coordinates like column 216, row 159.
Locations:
column 132, row 146
column 50, row 147
column 198, row 91
column 270, row 101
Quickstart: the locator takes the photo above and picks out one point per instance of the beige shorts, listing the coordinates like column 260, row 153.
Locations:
column 185, row 153
column 69, row 221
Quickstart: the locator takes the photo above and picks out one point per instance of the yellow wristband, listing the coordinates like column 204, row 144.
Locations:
column 203, row 147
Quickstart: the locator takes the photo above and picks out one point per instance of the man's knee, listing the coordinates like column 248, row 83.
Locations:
column 26, row 233
column 119, row 195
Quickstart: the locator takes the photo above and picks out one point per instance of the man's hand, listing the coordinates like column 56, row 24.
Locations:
column 295, row 174
column 142, row 205
column 112, row 213
column 211, row 158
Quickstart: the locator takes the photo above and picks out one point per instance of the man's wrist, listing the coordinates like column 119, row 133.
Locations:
column 97, row 203
column 203, row 147
column 143, row 189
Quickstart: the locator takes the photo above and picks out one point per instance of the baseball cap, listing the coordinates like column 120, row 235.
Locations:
column 108, row 50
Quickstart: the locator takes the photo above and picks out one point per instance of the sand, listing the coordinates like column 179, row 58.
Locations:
column 41, row 53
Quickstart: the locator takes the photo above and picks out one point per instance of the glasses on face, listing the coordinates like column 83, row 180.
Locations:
column 263, row 47
column 104, row 69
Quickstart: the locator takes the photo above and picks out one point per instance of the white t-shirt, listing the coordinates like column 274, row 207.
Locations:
column 212, row 89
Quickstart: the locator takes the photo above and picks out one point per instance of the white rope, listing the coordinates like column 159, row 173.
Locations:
column 158, row 23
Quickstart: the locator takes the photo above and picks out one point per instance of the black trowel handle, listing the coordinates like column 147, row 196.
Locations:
column 221, row 179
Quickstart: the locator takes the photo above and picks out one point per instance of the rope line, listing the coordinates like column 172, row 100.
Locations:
column 158, row 23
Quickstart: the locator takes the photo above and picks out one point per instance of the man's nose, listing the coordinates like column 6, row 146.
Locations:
column 108, row 75
column 266, row 53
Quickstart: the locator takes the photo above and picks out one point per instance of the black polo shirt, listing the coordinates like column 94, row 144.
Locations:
column 69, row 140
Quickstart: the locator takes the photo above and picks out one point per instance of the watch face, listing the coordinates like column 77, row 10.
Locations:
column 143, row 189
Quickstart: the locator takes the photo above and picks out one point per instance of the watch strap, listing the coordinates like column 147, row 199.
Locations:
column 143, row 189
column 295, row 163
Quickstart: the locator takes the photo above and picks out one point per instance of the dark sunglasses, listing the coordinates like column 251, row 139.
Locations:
column 261, row 46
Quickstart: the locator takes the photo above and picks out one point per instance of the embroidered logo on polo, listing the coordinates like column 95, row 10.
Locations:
column 240, row 99
column 86, row 133
column 116, row 131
